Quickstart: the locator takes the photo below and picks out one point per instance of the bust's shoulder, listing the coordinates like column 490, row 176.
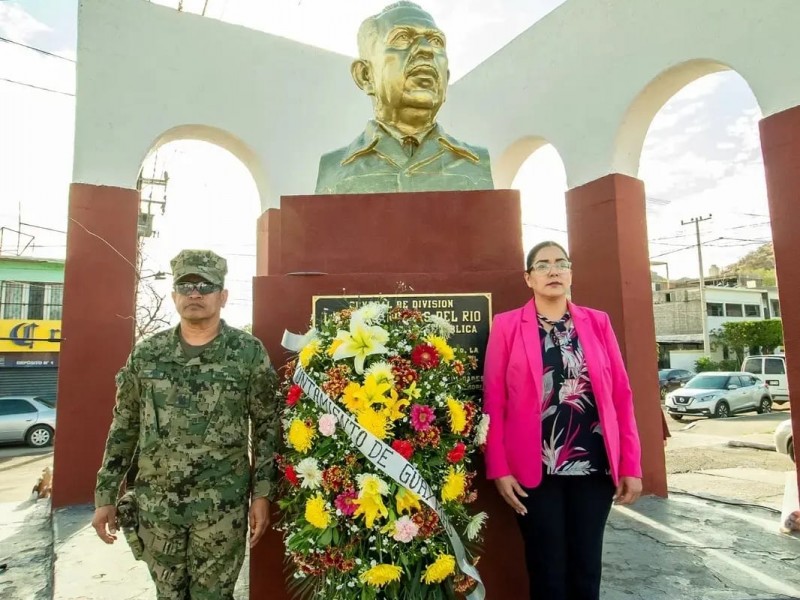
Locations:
column 333, row 157
column 479, row 152
column 330, row 163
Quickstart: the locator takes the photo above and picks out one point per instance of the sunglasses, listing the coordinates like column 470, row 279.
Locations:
column 203, row 288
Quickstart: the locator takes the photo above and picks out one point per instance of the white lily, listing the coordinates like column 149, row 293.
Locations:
column 360, row 342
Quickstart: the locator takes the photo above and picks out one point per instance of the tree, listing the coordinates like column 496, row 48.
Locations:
column 151, row 306
column 758, row 336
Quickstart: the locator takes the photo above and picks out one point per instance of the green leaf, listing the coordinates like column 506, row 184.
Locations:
column 325, row 538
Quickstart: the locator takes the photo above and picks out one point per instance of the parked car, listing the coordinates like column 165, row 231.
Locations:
column 670, row 379
column 784, row 442
column 772, row 369
column 719, row 394
column 29, row 419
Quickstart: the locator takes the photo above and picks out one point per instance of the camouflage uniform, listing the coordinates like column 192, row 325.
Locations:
column 189, row 418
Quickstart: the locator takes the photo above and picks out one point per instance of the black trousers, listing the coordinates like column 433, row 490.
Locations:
column 563, row 535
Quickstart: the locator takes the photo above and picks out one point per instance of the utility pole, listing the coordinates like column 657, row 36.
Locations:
column 703, row 308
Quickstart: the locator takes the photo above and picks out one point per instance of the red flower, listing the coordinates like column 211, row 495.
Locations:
column 404, row 448
column 425, row 356
column 457, row 453
column 293, row 395
column 291, row 475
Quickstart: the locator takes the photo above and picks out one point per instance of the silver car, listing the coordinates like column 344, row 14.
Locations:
column 719, row 394
column 29, row 419
column 783, row 438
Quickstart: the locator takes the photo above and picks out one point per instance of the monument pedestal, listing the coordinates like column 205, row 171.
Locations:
column 418, row 243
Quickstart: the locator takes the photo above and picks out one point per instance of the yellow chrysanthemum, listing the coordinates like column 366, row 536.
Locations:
column 377, row 423
column 349, row 398
column 334, row 345
column 300, row 436
column 308, row 352
column 454, row 485
column 406, row 501
column 458, row 416
column 442, row 347
column 371, row 506
column 440, row 569
column 380, row 575
column 316, row 512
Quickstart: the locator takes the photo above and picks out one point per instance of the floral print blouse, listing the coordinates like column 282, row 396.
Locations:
column 572, row 438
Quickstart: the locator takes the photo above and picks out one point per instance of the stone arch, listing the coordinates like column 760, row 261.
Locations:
column 637, row 119
column 225, row 140
column 506, row 167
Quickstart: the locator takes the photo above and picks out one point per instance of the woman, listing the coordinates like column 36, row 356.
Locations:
column 562, row 441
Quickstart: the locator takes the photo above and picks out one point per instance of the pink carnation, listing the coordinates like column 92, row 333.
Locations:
column 421, row 417
column 327, row 425
column 405, row 530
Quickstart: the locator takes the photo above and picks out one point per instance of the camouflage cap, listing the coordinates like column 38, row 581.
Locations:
column 205, row 263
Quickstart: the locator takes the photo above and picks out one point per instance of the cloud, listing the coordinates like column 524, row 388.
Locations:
column 17, row 24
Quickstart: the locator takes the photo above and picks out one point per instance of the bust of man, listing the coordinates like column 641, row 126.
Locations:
column 402, row 66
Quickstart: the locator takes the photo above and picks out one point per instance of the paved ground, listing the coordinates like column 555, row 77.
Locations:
column 681, row 548
column 701, row 460
column 26, row 543
column 20, row 468
column 687, row 547
column 87, row 569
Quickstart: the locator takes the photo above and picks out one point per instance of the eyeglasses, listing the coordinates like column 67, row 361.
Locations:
column 544, row 268
column 203, row 288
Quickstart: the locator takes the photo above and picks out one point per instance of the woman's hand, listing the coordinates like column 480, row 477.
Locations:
column 628, row 490
column 509, row 489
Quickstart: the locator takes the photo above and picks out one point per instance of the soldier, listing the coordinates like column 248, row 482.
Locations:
column 185, row 396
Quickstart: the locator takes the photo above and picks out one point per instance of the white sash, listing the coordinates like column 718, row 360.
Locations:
column 386, row 460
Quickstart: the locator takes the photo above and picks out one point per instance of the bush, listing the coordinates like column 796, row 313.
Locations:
column 706, row 364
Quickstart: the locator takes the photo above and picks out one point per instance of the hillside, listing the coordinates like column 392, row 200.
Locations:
column 759, row 260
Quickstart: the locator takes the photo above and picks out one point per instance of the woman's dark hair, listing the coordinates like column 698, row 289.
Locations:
column 541, row 246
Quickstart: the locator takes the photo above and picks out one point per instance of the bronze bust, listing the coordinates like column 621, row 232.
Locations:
column 403, row 66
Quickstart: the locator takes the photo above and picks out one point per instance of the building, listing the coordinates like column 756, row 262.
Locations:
column 31, row 291
column 679, row 317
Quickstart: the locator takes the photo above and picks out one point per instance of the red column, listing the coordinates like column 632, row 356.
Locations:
column 608, row 244
column 780, row 144
column 97, row 331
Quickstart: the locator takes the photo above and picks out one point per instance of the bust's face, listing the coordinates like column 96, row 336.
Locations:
column 408, row 60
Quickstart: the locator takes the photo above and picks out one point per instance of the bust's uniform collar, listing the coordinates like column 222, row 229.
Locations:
column 376, row 138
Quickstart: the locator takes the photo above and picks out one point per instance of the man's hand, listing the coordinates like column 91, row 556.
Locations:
column 509, row 489
column 628, row 490
column 105, row 516
column 259, row 519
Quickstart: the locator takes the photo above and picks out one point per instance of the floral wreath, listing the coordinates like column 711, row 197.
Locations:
column 350, row 531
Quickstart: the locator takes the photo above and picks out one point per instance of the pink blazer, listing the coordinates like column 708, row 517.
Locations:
column 512, row 394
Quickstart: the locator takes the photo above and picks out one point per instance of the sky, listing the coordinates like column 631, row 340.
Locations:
column 701, row 155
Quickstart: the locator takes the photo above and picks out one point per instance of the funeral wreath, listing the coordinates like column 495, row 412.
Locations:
column 380, row 433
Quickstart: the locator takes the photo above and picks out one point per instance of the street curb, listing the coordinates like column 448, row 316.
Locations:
column 27, row 461
column 755, row 445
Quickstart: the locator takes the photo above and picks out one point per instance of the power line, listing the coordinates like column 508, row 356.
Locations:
column 37, row 87
column 35, row 49
column 677, row 250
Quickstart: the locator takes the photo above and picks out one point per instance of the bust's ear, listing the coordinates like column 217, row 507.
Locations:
column 362, row 75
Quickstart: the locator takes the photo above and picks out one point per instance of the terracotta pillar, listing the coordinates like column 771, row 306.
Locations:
column 97, row 331
column 780, row 144
column 608, row 244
